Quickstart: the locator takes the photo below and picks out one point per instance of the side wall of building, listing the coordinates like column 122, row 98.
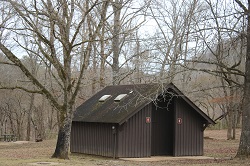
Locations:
column 92, row 138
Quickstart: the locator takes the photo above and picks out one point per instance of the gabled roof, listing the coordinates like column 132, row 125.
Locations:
column 138, row 96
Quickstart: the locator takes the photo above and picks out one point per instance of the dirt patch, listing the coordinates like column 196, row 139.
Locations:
column 219, row 134
column 26, row 149
column 44, row 163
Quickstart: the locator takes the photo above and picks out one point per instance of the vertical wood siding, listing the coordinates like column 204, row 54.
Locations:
column 92, row 138
column 134, row 139
column 188, row 134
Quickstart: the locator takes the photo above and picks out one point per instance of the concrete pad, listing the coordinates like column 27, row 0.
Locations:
column 15, row 142
column 21, row 142
column 164, row 158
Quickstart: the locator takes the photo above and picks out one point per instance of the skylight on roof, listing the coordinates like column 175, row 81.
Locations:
column 104, row 98
column 120, row 97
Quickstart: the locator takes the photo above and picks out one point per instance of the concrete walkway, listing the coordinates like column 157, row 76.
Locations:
column 163, row 158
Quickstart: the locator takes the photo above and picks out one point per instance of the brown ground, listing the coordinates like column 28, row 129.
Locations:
column 24, row 153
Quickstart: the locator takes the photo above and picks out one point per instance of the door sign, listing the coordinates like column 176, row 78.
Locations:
column 179, row 121
column 148, row 120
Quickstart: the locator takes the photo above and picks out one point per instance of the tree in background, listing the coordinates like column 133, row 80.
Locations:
column 126, row 21
column 170, row 43
column 219, row 54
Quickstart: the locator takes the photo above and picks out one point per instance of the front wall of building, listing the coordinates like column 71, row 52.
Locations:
column 188, row 130
column 134, row 138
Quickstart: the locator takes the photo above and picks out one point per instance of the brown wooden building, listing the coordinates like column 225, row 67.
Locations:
column 139, row 121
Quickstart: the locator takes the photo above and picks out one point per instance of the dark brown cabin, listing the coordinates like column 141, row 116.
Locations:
column 139, row 121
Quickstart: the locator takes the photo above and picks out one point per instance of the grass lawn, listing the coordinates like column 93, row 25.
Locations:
column 24, row 153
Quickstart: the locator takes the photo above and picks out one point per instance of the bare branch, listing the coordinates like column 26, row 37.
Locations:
column 242, row 6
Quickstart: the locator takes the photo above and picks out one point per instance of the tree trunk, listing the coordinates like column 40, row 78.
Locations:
column 28, row 126
column 32, row 98
column 244, row 146
column 63, row 139
column 230, row 109
column 94, row 79
column 234, row 123
column 117, row 5
column 102, row 71
column 229, row 123
column 103, row 58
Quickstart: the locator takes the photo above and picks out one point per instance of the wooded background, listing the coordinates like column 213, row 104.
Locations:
column 199, row 45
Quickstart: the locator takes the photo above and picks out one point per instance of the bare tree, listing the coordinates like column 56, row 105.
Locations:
column 55, row 27
column 174, row 21
column 124, row 23
column 224, row 57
